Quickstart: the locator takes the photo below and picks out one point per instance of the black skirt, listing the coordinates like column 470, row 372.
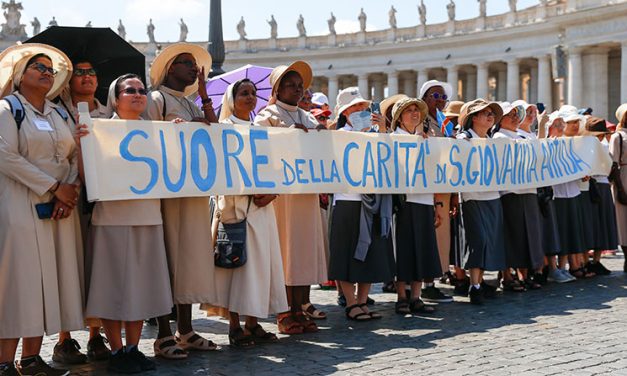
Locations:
column 569, row 225
column 344, row 234
column 589, row 215
column 483, row 223
column 550, row 232
column 605, row 227
column 523, row 246
column 417, row 256
column 458, row 240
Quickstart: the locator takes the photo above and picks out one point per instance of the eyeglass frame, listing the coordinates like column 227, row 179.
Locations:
column 80, row 72
column 41, row 68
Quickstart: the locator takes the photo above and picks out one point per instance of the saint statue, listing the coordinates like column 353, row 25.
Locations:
column 184, row 31
column 121, row 30
column 482, row 7
column 512, row 6
column 53, row 22
column 241, row 29
column 331, row 21
column 450, row 7
column 300, row 25
column 422, row 11
column 12, row 29
column 362, row 20
column 36, row 26
column 392, row 17
column 273, row 27
column 150, row 29
column 88, row 24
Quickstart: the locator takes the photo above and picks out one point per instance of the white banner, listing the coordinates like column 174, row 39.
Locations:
column 150, row 159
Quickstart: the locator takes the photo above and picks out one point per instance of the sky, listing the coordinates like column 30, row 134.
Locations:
column 166, row 15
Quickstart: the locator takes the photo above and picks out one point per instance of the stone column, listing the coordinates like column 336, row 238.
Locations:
column 333, row 90
column 623, row 73
column 597, row 82
column 471, row 87
column 575, row 76
column 513, row 80
column 408, row 85
column 392, row 82
column 545, row 82
column 362, row 83
column 423, row 76
column 452, row 77
column 482, row 80
column 379, row 88
column 533, row 85
column 501, row 85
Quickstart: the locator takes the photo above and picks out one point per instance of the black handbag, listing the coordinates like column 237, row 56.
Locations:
column 593, row 191
column 230, row 247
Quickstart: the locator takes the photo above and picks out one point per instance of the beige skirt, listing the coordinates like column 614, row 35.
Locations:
column 257, row 288
column 187, row 226
column 129, row 275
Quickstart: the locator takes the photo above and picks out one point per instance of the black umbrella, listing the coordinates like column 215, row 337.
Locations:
column 111, row 55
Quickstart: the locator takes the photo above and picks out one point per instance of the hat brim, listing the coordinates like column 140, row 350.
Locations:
column 448, row 89
column 300, row 67
column 13, row 54
column 422, row 106
column 389, row 102
column 160, row 64
column 352, row 103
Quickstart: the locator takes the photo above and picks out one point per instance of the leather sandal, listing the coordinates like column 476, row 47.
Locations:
column 402, row 307
column 361, row 316
column 260, row 335
column 168, row 348
column 313, row 312
column 240, row 340
column 308, row 325
column 192, row 341
column 288, row 325
column 373, row 315
column 418, row 306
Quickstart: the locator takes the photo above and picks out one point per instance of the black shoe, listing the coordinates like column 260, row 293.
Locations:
column 121, row 362
column 40, row 368
column 67, row 352
column 151, row 321
column 389, row 287
column 341, row 300
column 461, row 288
column 597, row 268
column 476, row 295
column 97, row 350
column 489, row 291
column 139, row 357
column 370, row 301
column 8, row 370
column 432, row 294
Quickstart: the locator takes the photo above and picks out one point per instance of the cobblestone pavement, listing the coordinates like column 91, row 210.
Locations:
column 571, row 329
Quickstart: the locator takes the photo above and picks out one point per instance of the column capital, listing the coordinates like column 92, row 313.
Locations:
column 392, row 73
column 482, row 65
column 575, row 50
column 512, row 60
column 599, row 50
column 451, row 67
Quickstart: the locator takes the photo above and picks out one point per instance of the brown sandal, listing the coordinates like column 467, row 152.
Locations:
column 308, row 325
column 313, row 312
column 288, row 324
column 260, row 335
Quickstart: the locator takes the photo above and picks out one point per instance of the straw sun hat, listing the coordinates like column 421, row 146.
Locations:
column 163, row 61
column 300, row 67
column 403, row 104
column 13, row 64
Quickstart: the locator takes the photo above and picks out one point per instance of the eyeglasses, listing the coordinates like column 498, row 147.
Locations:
column 43, row 69
column 79, row 72
column 133, row 91
column 437, row 96
column 187, row 63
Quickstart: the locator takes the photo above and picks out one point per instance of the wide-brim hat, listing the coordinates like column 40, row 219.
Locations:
column 403, row 104
column 299, row 66
column 478, row 105
column 320, row 112
column 620, row 112
column 349, row 97
column 453, row 108
column 163, row 61
column 595, row 126
column 389, row 102
column 13, row 63
column 448, row 89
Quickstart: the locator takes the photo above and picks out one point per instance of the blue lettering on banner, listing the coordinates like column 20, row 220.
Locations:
column 368, row 169
column 291, row 178
column 347, row 175
column 457, row 165
column 299, row 171
column 258, row 134
column 407, row 146
column 234, row 155
column 382, row 162
column 173, row 187
column 201, row 139
column 152, row 164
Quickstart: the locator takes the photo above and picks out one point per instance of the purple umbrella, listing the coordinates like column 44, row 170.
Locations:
column 260, row 76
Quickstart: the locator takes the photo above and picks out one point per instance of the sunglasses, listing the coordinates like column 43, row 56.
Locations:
column 187, row 63
column 489, row 114
column 43, row 69
column 437, row 96
column 133, row 91
column 79, row 72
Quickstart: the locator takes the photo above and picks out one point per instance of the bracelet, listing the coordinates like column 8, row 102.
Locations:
column 207, row 106
column 439, row 203
column 206, row 100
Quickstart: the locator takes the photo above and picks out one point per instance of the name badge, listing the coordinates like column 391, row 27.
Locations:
column 43, row 125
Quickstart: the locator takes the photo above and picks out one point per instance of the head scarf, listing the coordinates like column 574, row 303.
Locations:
column 228, row 103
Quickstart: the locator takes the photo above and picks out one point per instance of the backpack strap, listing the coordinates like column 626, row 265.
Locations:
column 467, row 133
column 17, row 109
column 62, row 112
